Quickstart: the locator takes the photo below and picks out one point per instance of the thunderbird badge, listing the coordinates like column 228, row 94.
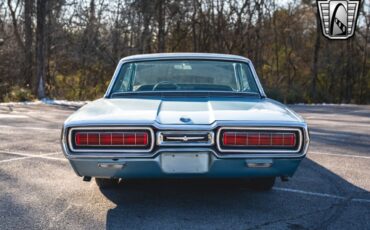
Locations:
column 338, row 17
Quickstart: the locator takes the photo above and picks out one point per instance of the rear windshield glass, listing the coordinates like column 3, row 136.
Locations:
column 185, row 75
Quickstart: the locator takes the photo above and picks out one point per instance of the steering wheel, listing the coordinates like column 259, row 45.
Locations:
column 164, row 83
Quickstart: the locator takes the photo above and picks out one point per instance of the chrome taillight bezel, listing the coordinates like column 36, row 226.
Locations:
column 127, row 149
column 222, row 149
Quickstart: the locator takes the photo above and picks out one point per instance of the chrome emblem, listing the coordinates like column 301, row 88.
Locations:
column 185, row 119
column 185, row 138
column 338, row 17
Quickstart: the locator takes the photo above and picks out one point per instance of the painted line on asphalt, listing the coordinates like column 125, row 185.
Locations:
column 28, row 156
column 327, row 195
column 28, row 127
column 361, row 200
column 12, row 116
column 54, row 158
column 339, row 155
column 14, row 159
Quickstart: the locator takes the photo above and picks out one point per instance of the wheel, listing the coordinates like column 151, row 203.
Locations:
column 262, row 183
column 104, row 183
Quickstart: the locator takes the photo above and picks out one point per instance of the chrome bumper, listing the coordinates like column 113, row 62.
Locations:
column 154, row 168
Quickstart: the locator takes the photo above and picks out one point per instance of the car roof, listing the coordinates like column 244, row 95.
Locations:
column 161, row 56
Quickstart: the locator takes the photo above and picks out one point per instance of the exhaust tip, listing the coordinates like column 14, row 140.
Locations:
column 86, row 178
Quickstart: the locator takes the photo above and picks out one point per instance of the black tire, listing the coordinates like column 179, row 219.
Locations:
column 104, row 183
column 262, row 183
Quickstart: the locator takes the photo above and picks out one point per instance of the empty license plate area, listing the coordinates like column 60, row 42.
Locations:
column 185, row 162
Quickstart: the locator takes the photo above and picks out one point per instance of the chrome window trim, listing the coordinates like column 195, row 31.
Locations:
column 160, row 142
column 151, row 146
column 223, row 150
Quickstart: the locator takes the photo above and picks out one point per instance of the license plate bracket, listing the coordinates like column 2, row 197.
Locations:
column 185, row 162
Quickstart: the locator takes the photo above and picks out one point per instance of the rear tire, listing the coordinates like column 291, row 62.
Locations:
column 104, row 183
column 262, row 183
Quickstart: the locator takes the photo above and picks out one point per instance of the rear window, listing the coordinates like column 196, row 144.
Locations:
column 185, row 75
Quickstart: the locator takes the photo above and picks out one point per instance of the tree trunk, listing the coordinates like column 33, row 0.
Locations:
column 259, row 6
column 363, row 80
column 315, row 59
column 161, row 25
column 40, row 48
column 349, row 72
column 28, row 73
column 146, row 38
column 193, row 26
column 15, row 24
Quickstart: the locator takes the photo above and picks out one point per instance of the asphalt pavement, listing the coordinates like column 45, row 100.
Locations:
column 39, row 190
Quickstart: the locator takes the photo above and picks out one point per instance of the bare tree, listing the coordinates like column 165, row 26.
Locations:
column 15, row 22
column 28, row 72
column 315, row 58
column 161, row 16
column 40, row 48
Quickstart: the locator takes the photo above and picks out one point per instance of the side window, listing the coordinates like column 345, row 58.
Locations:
column 123, row 81
column 244, row 78
column 247, row 79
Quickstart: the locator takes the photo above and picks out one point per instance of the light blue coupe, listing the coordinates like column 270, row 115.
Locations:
column 185, row 115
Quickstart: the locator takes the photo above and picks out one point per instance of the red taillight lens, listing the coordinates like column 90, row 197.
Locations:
column 259, row 139
column 111, row 139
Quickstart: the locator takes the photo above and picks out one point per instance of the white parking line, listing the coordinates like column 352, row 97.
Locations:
column 27, row 156
column 339, row 155
column 12, row 116
column 321, row 194
column 14, row 159
column 28, row 127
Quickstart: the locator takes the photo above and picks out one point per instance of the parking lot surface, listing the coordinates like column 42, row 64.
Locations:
column 39, row 190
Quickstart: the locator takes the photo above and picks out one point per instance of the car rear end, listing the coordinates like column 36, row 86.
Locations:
column 167, row 116
column 221, row 151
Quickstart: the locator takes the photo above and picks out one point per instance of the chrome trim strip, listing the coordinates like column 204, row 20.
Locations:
column 70, row 146
column 113, row 80
column 218, row 141
column 160, row 141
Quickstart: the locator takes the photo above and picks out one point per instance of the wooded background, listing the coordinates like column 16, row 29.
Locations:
column 69, row 49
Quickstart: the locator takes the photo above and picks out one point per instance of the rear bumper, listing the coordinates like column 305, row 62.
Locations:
column 153, row 168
